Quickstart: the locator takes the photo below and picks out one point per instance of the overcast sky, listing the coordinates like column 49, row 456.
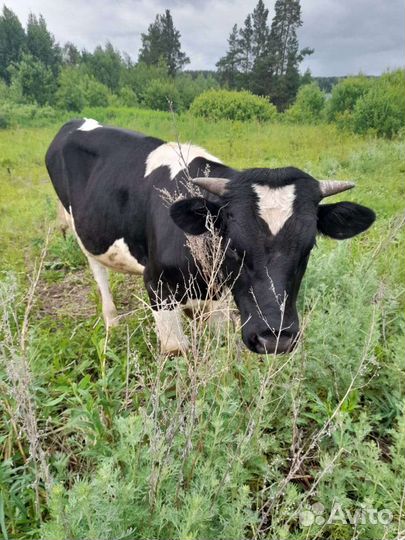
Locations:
column 349, row 36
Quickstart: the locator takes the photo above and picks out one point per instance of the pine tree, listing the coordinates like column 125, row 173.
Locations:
column 41, row 44
column 162, row 42
column 228, row 65
column 284, row 54
column 260, row 31
column 246, row 46
column 12, row 41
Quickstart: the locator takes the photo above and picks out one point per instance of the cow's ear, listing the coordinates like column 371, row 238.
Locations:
column 192, row 215
column 344, row 219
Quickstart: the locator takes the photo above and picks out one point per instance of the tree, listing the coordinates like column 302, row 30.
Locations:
column 12, row 41
column 35, row 79
column 162, row 41
column 284, row 54
column 228, row 65
column 70, row 54
column 105, row 65
column 41, row 44
column 260, row 36
column 246, row 46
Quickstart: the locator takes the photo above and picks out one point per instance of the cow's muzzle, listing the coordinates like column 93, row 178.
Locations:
column 272, row 343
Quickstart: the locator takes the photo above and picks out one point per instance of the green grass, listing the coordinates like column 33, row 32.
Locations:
column 103, row 438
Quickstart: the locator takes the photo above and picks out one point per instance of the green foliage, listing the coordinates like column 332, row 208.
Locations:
column 308, row 106
column 35, row 80
column 225, row 104
column 70, row 94
column 265, row 60
column 370, row 104
column 104, row 65
column 127, row 97
column 77, row 90
column 344, row 97
column 41, row 44
column 161, row 95
column 382, row 109
column 12, row 41
column 162, row 42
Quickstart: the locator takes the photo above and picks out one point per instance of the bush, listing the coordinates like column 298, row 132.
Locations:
column 382, row 109
column 126, row 97
column 344, row 97
column 96, row 93
column 308, row 106
column 160, row 94
column 226, row 104
column 70, row 94
column 34, row 80
column 14, row 114
column 77, row 89
column 190, row 88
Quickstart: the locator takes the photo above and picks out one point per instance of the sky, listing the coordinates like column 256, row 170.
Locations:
column 349, row 36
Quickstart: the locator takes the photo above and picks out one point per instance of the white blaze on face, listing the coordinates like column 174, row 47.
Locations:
column 89, row 124
column 175, row 156
column 275, row 205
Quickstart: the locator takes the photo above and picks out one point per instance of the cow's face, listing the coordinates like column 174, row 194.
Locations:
column 269, row 219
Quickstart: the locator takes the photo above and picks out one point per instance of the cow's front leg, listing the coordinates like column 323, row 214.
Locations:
column 169, row 329
column 167, row 314
column 100, row 274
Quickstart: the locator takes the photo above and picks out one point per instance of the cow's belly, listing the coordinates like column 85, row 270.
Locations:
column 117, row 257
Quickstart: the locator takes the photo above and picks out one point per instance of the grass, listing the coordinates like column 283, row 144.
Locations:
column 101, row 437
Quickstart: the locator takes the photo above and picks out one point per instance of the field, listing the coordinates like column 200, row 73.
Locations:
column 103, row 438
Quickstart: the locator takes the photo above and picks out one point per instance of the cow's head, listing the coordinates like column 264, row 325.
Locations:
column 269, row 220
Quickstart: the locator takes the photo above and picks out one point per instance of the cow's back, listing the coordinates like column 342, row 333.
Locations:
column 98, row 173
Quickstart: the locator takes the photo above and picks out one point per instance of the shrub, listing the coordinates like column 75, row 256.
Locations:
column 96, row 93
column 34, row 79
column 70, row 94
column 160, row 94
column 78, row 89
column 345, row 95
column 308, row 106
column 226, row 104
column 16, row 114
column 190, row 88
column 382, row 109
column 127, row 97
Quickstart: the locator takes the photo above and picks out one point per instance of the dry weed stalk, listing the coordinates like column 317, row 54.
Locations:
column 20, row 387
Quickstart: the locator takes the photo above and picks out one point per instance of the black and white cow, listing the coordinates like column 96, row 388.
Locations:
column 110, row 183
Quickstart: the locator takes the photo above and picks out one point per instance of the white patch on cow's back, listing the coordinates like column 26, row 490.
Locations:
column 117, row 257
column 176, row 156
column 275, row 205
column 89, row 124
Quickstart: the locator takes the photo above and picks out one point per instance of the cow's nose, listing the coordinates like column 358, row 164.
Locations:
column 272, row 344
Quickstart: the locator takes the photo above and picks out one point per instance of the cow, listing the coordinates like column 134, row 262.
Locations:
column 111, row 182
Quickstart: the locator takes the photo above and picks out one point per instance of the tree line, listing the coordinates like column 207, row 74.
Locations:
column 261, row 58
column 265, row 59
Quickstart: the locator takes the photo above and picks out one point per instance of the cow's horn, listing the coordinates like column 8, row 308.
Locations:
column 217, row 186
column 331, row 187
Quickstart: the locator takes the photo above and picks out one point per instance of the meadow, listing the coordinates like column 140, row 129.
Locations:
column 104, row 438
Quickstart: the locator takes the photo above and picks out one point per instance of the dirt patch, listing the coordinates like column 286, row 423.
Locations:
column 76, row 295
column 69, row 297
